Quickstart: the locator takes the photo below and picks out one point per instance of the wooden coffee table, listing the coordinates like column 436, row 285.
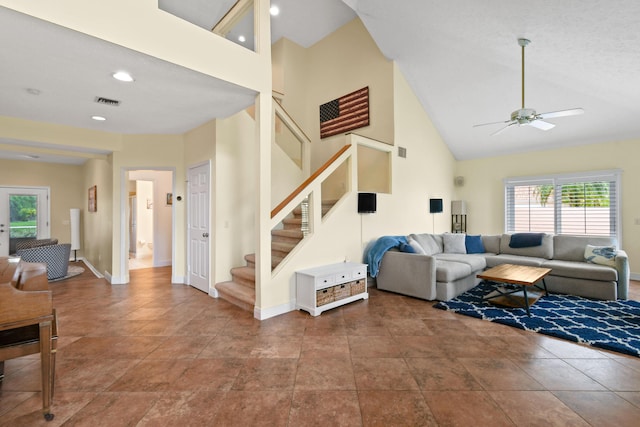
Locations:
column 516, row 278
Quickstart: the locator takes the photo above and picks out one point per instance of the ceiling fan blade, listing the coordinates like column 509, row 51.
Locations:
column 540, row 124
column 502, row 129
column 492, row 123
column 562, row 113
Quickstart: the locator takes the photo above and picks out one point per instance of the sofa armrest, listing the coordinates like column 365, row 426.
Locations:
column 622, row 265
column 408, row 274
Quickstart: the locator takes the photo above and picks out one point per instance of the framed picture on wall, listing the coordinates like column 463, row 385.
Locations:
column 93, row 199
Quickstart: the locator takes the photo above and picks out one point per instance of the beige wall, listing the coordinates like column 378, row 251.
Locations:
column 66, row 190
column 234, row 193
column 484, row 191
column 97, row 236
column 290, row 78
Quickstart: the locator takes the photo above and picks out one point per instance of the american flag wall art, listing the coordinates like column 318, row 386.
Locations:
column 345, row 113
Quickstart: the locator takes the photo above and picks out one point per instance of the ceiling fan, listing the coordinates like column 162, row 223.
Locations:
column 528, row 116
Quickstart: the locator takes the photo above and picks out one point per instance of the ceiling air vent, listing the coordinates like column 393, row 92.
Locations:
column 107, row 101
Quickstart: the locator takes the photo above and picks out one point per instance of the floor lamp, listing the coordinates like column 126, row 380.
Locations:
column 75, row 232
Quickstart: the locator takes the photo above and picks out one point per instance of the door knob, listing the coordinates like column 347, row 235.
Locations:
column 205, row 234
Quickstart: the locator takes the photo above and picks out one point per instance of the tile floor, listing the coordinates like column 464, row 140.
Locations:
column 154, row 354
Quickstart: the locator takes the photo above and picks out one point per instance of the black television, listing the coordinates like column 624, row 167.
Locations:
column 435, row 205
column 366, row 202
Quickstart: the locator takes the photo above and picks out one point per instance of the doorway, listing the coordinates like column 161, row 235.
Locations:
column 150, row 219
column 141, row 227
column 24, row 215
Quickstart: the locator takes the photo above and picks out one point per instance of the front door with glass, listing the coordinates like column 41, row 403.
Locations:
column 24, row 214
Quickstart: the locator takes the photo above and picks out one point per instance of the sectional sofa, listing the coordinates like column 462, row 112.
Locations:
column 442, row 266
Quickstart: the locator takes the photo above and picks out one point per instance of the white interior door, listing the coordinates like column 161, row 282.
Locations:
column 24, row 214
column 198, row 227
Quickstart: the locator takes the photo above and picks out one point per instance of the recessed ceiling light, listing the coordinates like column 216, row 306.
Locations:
column 274, row 10
column 99, row 118
column 242, row 39
column 123, row 76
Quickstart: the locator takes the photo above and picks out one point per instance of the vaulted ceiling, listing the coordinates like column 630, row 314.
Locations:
column 461, row 58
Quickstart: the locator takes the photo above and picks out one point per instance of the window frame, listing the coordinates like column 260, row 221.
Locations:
column 612, row 175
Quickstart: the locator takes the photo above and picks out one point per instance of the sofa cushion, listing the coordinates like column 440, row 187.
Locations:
column 448, row 271
column 416, row 246
column 474, row 244
column 493, row 260
column 581, row 270
column 428, row 243
column 545, row 250
column 491, row 243
column 476, row 262
column 454, row 243
column 571, row 248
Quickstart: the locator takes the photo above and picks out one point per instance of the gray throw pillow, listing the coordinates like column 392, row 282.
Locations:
column 416, row 246
column 454, row 243
column 427, row 242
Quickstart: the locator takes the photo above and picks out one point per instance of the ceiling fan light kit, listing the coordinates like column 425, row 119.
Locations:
column 528, row 116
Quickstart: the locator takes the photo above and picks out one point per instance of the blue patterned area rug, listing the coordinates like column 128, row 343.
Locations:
column 610, row 325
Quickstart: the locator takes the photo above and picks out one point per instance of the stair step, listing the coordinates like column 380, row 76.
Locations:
column 276, row 259
column 292, row 223
column 237, row 294
column 245, row 276
column 251, row 260
column 281, row 248
column 292, row 236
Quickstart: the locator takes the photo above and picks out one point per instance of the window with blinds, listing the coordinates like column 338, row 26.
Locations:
column 577, row 204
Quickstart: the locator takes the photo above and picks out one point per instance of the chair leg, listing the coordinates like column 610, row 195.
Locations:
column 45, row 362
column 1, row 372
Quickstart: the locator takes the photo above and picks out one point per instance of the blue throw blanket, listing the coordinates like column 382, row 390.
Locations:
column 374, row 254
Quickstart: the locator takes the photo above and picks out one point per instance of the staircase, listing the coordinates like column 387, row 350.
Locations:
column 241, row 289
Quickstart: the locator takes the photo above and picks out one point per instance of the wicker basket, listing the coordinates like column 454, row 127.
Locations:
column 324, row 296
column 358, row 287
column 342, row 291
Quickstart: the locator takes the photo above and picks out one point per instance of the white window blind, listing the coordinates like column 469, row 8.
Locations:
column 577, row 204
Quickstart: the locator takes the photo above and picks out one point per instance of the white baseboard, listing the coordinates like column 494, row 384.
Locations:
column 182, row 280
column 91, row 267
column 634, row 276
column 262, row 314
column 116, row 280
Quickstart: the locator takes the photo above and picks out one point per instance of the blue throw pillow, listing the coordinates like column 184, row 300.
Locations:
column 474, row 244
column 405, row 247
column 525, row 240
